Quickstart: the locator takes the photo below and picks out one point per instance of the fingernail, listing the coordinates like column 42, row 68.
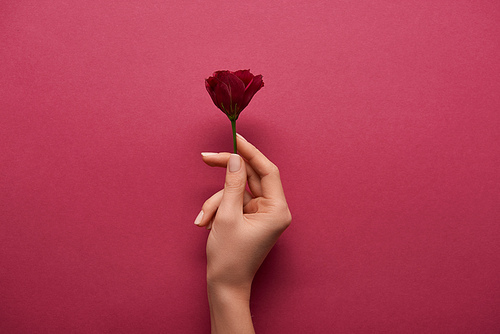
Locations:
column 234, row 163
column 197, row 221
column 209, row 225
column 205, row 154
column 241, row 137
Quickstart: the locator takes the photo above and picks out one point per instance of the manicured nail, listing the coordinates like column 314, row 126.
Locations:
column 197, row 221
column 209, row 225
column 234, row 163
column 241, row 137
column 206, row 154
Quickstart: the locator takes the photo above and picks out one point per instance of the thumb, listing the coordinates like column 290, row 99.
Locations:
column 234, row 188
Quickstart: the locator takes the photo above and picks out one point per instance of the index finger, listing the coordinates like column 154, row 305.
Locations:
column 268, row 172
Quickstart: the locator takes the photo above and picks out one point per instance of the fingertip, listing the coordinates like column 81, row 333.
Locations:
column 234, row 163
column 210, row 158
column 199, row 218
column 241, row 137
column 209, row 226
column 215, row 159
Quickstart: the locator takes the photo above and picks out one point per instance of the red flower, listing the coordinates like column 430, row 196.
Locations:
column 232, row 91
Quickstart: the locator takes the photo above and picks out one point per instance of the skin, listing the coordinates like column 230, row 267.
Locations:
column 244, row 226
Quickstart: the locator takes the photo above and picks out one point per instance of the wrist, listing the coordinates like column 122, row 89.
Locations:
column 229, row 308
column 235, row 281
column 229, row 292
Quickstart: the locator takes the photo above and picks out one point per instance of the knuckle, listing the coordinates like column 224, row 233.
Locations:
column 284, row 215
column 287, row 218
column 282, row 207
column 274, row 170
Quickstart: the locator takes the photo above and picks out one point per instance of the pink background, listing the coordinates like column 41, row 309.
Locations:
column 383, row 117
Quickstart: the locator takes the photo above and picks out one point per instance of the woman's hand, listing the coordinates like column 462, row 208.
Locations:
column 244, row 225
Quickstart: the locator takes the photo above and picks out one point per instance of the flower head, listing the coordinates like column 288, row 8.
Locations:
column 232, row 91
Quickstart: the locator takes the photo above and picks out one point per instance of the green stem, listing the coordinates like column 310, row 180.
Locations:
column 233, row 125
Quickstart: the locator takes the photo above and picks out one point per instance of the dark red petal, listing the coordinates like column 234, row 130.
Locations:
column 252, row 88
column 222, row 97
column 244, row 76
column 218, row 74
column 210, row 84
column 229, row 91
column 236, row 84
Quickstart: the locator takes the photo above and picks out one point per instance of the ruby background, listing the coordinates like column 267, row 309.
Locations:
column 383, row 117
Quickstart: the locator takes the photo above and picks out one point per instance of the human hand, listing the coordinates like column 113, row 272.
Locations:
column 244, row 225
